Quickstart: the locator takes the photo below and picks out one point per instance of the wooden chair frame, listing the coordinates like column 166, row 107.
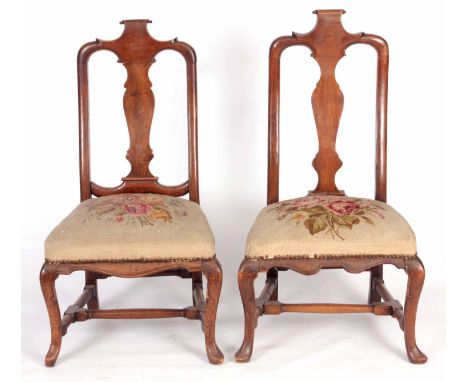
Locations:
column 328, row 42
column 136, row 50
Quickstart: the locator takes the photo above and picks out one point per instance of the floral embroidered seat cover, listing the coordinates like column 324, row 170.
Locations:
column 318, row 226
column 132, row 227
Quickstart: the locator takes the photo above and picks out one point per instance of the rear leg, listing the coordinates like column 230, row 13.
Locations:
column 91, row 279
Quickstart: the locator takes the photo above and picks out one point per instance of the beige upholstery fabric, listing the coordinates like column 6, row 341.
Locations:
column 132, row 227
column 328, row 225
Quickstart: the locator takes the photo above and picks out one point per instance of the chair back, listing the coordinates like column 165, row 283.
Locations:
column 136, row 50
column 328, row 42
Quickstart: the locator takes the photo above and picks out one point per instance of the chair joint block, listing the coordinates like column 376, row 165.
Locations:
column 72, row 309
column 192, row 313
column 272, row 307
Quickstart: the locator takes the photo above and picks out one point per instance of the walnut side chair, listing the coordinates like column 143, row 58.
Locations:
column 327, row 229
column 140, row 228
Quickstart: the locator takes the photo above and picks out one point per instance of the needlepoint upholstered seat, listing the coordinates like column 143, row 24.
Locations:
column 318, row 226
column 132, row 227
column 140, row 228
column 327, row 229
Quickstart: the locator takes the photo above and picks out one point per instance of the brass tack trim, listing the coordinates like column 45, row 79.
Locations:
column 323, row 256
column 129, row 260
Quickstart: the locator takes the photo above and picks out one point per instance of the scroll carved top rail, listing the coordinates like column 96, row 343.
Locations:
column 328, row 42
column 136, row 50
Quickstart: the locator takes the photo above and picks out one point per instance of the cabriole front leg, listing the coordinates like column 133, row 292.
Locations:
column 248, row 272
column 415, row 271
column 47, row 278
column 214, row 275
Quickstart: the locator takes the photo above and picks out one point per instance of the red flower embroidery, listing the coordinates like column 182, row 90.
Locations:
column 329, row 214
column 137, row 208
column 143, row 209
column 343, row 207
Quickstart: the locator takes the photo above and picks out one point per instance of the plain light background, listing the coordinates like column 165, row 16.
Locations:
column 232, row 41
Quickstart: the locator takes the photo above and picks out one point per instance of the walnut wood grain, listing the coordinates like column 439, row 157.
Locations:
column 47, row 279
column 214, row 276
column 278, row 307
column 121, row 314
column 81, row 301
column 397, row 312
column 255, row 307
column 203, row 310
column 248, row 272
column 91, row 280
column 129, row 269
column 416, row 274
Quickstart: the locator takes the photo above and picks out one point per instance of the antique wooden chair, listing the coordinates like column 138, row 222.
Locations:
column 139, row 228
column 326, row 229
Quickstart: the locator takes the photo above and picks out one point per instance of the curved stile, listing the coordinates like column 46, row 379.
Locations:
column 328, row 42
column 137, row 50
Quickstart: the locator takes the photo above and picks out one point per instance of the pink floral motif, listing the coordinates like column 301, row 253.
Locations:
column 329, row 213
column 137, row 208
column 343, row 207
column 143, row 209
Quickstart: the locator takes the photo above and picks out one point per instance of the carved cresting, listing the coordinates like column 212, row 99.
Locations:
column 328, row 42
column 136, row 50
